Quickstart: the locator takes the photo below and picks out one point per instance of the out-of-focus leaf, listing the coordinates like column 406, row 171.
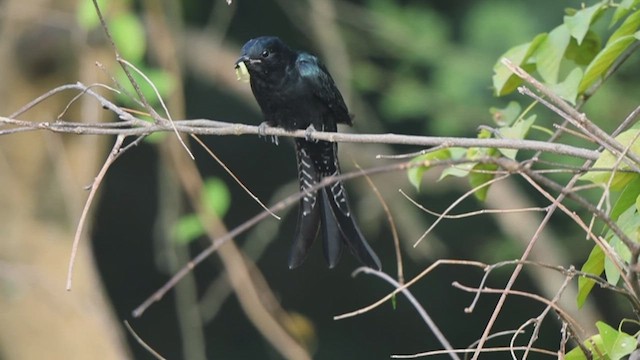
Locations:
column 406, row 97
column 594, row 265
column 578, row 23
column 551, row 52
column 187, row 229
column 216, row 196
column 86, row 14
column 367, row 77
column 504, row 81
column 162, row 80
column 507, row 115
column 605, row 58
column 128, row 34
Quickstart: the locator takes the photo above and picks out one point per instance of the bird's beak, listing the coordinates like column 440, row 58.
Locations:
column 242, row 72
column 242, row 59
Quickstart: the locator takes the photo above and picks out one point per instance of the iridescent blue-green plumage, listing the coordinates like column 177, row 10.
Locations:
column 295, row 91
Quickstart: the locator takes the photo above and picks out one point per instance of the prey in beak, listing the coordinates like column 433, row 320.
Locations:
column 242, row 73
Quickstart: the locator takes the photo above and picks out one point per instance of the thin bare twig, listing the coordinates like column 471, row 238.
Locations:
column 423, row 314
column 471, row 213
column 392, row 225
column 142, row 342
column 233, row 176
column 115, row 151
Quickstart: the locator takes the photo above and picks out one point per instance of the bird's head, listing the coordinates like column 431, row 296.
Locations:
column 266, row 56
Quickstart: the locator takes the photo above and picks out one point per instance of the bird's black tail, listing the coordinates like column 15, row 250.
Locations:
column 326, row 209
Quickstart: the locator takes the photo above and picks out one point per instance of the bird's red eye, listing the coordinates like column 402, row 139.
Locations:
column 265, row 54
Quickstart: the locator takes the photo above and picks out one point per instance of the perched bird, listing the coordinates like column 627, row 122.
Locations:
column 295, row 91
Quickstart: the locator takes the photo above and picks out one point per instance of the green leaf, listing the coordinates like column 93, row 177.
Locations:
column 415, row 173
column 578, row 23
column 128, row 34
column 187, row 229
column 156, row 137
column 507, row 115
column 595, row 266
column 628, row 27
column 629, row 223
column 460, row 170
column 606, row 160
column 516, row 131
column 622, row 10
column 593, row 344
column 568, row 89
column 551, row 52
column 617, row 344
column 405, row 97
column 610, row 270
column 480, row 175
column 603, row 61
column 504, row 81
column 626, row 199
column 584, row 53
column 215, row 196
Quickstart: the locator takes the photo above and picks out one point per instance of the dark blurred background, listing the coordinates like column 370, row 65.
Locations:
column 411, row 67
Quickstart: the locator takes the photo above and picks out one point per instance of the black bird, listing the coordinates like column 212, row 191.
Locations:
column 295, row 91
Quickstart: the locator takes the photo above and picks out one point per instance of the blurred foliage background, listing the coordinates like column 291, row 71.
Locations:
column 412, row 67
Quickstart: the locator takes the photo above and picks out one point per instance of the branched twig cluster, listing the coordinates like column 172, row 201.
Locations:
column 130, row 125
column 133, row 126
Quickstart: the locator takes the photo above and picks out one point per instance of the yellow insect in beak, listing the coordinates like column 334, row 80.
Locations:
column 242, row 73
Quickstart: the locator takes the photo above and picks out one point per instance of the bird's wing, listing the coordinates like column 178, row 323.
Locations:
column 317, row 77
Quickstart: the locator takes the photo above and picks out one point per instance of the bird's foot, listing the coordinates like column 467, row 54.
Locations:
column 262, row 130
column 308, row 133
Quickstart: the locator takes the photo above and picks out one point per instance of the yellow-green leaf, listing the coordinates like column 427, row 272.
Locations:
column 628, row 27
column 507, row 115
column 578, row 23
column 617, row 344
column 516, row 131
column 608, row 160
column 551, row 52
column 626, row 199
column 603, row 61
column 593, row 344
column 481, row 174
column 595, row 266
column 568, row 89
column 504, row 81
column 415, row 172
